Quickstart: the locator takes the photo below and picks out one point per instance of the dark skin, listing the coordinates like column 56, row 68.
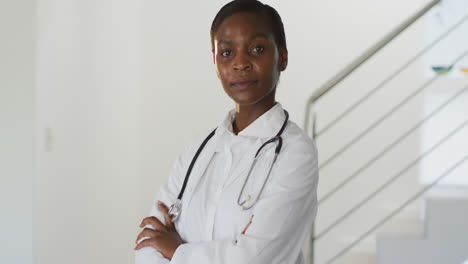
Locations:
column 248, row 63
column 164, row 238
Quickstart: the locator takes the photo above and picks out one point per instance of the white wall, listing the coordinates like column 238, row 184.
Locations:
column 88, row 131
column 17, row 44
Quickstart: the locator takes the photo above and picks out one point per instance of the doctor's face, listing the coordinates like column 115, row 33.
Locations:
column 247, row 59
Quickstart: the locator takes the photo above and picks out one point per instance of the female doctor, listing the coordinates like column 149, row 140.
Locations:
column 246, row 192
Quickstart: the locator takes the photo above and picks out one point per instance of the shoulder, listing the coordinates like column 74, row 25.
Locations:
column 298, row 159
column 191, row 149
column 297, row 142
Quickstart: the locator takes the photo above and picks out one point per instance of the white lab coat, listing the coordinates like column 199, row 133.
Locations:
column 211, row 222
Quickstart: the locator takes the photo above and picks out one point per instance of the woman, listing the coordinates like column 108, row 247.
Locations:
column 278, row 201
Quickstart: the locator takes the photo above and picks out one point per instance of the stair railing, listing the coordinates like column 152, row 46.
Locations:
column 335, row 80
column 338, row 78
column 410, row 165
column 400, row 208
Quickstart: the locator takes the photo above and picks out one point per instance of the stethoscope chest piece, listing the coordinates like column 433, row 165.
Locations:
column 175, row 209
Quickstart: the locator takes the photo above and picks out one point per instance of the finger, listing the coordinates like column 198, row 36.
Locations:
column 147, row 232
column 147, row 243
column 165, row 211
column 151, row 220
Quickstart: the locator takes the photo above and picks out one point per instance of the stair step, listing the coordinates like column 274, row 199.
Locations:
column 357, row 256
column 444, row 238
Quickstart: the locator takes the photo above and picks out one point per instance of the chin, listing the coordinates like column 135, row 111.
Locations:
column 249, row 97
column 247, row 101
column 243, row 102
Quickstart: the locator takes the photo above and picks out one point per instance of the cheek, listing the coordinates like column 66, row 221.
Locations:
column 223, row 72
column 269, row 71
column 217, row 73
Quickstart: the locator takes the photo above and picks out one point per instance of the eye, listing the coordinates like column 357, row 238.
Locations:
column 225, row 53
column 258, row 49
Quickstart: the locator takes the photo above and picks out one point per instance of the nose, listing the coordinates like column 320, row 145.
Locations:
column 242, row 63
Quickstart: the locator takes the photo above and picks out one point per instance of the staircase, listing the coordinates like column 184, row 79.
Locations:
column 374, row 146
column 444, row 238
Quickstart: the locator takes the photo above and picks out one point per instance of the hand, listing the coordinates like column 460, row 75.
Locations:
column 164, row 238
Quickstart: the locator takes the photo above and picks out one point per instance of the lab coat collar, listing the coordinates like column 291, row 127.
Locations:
column 262, row 129
column 266, row 126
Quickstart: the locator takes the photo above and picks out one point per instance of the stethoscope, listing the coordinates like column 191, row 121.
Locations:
column 175, row 209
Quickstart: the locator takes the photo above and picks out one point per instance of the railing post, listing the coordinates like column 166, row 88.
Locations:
column 312, row 232
column 312, row 246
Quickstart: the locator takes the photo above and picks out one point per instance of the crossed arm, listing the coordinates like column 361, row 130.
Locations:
column 162, row 237
column 282, row 218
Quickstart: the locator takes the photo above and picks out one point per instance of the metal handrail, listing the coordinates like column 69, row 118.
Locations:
column 392, row 76
column 399, row 209
column 385, row 185
column 339, row 78
column 391, row 146
column 330, row 84
column 392, row 179
column 388, row 114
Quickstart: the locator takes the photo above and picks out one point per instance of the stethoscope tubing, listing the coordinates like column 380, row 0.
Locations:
column 175, row 209
column 192, row 163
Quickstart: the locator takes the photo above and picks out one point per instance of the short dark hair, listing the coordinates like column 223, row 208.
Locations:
column 251, row 6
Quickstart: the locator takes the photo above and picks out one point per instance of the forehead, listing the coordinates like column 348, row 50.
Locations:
column 243, row 24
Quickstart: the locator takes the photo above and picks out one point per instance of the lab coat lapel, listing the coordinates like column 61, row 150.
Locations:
column 264, row 128
column 244, row 164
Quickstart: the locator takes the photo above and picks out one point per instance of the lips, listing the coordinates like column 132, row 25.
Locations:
column 244, row 84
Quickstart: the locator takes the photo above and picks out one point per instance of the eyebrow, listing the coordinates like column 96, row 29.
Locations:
column 258, row 35
column 224, row 41
column 254, row 36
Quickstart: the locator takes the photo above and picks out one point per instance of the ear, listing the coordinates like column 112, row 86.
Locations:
column 283, row 59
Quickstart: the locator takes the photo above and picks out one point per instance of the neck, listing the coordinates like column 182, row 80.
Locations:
column 246, row 115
